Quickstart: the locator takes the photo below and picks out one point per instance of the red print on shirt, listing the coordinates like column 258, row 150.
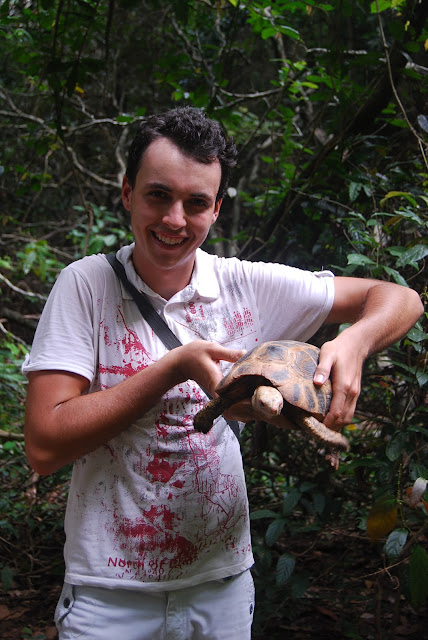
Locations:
column 154, row 530
column 125, row 348
column 161, row 469
column 238, row 324
column 187, row 505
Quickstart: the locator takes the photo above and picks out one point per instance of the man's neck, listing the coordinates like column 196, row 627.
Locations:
column 167, row 282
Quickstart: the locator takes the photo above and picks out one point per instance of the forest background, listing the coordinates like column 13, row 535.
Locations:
column 327, row 102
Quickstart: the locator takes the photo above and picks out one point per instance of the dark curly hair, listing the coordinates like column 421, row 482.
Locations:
column 193, row 133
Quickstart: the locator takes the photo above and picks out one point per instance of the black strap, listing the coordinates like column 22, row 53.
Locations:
column 146, row 308
column 156, row 322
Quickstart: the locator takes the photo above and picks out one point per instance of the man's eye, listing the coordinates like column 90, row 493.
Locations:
column 198, row 202
column 158, row 194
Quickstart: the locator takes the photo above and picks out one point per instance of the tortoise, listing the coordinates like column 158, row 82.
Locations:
column 278, row 377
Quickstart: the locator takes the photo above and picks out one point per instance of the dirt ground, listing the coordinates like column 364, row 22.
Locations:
column 350, row 596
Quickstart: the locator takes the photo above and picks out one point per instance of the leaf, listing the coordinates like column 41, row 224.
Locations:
column 6, row 578
column 418, row 576
column 289, row 31
column 412, row 255
column 395, row 543
column 274, row 530
column 399, row 194
column 382, row 518
column 398, row 122
column 421, row 378
column 417, row 491
column 284, row 568
column 418, row 429
column 416, row 335
column 319, row 502
column 268, row 32
column 110, row 239
column 423, row 122
column 409, row 214
column 124, row 118
column 395, row 446
column 263, row 513
column 291, row 499
column 379, row 6
column 354, row 190
column 398, row 278
column 307, row 485
column 359, row 258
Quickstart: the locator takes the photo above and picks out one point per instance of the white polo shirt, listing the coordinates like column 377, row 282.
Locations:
column 162, row 506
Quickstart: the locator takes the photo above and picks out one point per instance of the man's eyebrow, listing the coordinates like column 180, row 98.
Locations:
column 163, row 187
column 204, row 196
column 158, row 185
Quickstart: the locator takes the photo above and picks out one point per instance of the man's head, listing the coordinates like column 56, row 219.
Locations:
column 193, row 133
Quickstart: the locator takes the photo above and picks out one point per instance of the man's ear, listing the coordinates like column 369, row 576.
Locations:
column 126, row 193
column 216, row 210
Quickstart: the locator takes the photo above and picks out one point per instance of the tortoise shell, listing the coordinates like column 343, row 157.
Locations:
column 286, row 364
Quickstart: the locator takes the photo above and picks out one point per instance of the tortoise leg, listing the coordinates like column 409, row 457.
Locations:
column 323, row 433
column 203, row 420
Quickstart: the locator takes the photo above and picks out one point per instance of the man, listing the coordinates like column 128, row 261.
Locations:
column 157, row 533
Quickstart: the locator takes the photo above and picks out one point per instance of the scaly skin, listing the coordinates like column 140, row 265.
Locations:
column 203, row 420
column 317, row 429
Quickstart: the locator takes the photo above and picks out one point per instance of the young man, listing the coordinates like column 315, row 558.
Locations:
column 157, row 532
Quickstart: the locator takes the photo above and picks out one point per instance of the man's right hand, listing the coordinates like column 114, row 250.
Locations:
column 63, row 422
column 200, row 361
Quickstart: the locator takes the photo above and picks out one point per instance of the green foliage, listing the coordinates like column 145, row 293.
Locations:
column 313, row 504
column 12, row 387
column 38, row 257
column 98, row 232
column 326, row 103
column 418, row 576
column 395, row 544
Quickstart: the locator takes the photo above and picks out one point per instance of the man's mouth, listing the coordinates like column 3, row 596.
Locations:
column 169, row 240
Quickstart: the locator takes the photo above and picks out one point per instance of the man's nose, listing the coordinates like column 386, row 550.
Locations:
column 175, row 217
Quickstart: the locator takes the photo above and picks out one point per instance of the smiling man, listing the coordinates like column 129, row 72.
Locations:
column 157, row 528
column 173, row 203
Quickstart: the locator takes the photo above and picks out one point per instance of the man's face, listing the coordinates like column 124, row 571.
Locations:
column 172, row 208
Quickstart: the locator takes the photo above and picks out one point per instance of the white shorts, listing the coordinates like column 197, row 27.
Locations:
column 217, row 610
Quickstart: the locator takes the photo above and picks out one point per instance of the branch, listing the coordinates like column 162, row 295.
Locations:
column 9, row 334
column 86, row 172
column 92, row 123
column 250, row 96
column 394, row 89
column 25, row 320
column 30, row 294
column 8, row 435
column 17, row 113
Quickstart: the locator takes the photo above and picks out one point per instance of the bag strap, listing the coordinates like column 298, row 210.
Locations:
column 156, row 322
column 146, row 308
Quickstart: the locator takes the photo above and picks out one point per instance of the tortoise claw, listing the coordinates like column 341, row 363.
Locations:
column 333, row 458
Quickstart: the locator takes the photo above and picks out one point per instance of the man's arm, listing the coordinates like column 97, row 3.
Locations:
column 380, row 313
column 63, row 423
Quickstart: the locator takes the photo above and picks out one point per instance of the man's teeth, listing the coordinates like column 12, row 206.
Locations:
column 169, row 240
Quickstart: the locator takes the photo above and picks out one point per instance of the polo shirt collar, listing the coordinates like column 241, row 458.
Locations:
column 203, row 284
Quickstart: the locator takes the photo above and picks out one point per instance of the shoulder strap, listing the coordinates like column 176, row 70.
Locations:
column 157, row 323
